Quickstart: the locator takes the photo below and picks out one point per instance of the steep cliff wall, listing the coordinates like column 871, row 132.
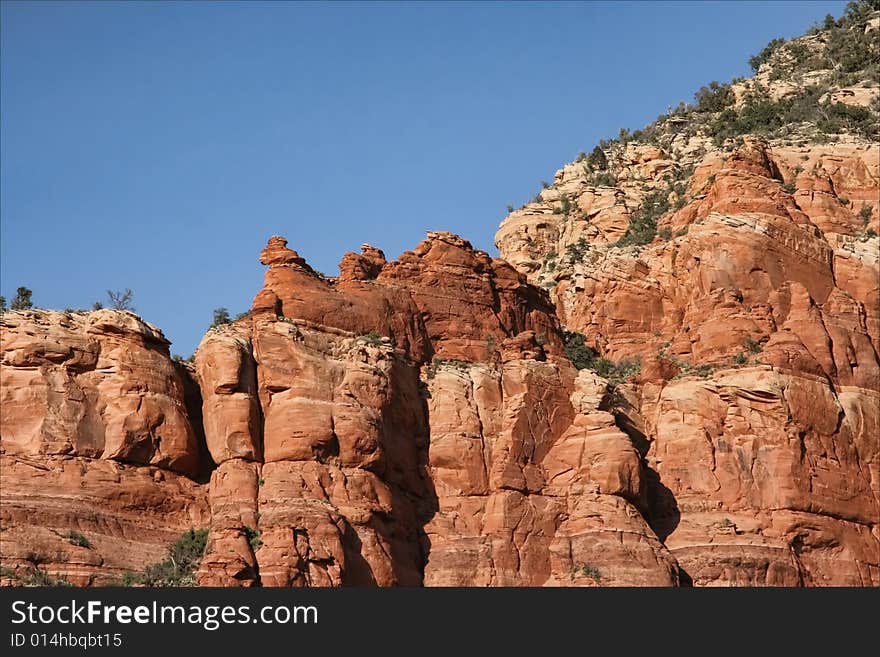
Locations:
column 99, row 462
column 671, row 377
column 741, row 273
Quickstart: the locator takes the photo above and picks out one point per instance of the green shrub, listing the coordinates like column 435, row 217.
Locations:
column 75, row 538
column 685, row 368
column 799, row 52
column 753, row 346
column 714, row 97
column 183, row 560
column 851, row 50
column 577, row 251
column 603, row 179
column 740, row 358
column 643, row 222
column 130, row 578
column 32, row 576
column 764, row 56
column 221, row 316
column 762, row 115
column 121, row 299
column 584, row 357
column 835, row 118
column 590, row 571
column 22, row 299
column 597, row 159
column 373, row 338
column 37, row 557
column 253, row 538
column 849, row 53
column 576, row 349
column 437, row 363
column 616, row 373
column 865, row 213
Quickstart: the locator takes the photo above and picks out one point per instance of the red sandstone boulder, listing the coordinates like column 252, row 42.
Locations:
column 121, row 396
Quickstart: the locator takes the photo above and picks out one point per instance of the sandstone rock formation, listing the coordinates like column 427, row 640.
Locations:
column 535, row 485
column 96, row 439
column 671, row 377
column 357, row 447
column 753, row 310
column 97, row 385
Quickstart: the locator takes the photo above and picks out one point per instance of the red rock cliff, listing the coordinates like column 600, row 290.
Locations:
column 671, row 378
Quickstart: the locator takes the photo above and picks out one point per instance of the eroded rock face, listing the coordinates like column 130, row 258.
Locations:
column 774, row 478
column 379, row 467
column 469, row 302
column 416, row 422
column 360, row 307
column 227, row 374
column 756, row 323
column 127, row 514
column 535, row 485
column 96, row 439
column 344, row 433
column 98, row 385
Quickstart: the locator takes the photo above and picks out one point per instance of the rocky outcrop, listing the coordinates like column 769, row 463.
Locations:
column 379, row 468
column 747, row 286
column 671, row 378
column 774, row 478
column 344, row 430
column 227, row 375
column 535, row 485
column 97, row 385
column 756, row 324
column 90, row 521
column 98, row 452
column 468, row 301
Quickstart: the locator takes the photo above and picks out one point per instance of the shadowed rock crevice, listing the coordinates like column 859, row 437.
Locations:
column 192, row 399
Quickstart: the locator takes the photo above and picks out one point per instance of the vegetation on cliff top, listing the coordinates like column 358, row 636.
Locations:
column 805, row 106
column 833, row 55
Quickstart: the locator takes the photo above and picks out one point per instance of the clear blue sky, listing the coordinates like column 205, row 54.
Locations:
column 157, row 146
